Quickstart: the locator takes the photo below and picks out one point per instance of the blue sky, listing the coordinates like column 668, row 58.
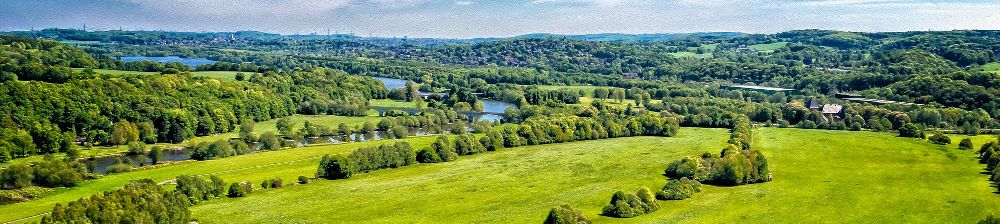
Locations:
column 500, row 18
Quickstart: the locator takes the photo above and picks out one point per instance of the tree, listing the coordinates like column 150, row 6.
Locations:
column 965, row 144
column 910, row 130
column 155, row 154
column 334, row 167
column 428, row 155
column 284, row 126
column 563, row 214
column 444, row 149
column 16, row 176
column 990, row 220
column 240, row 189
column 136, row 148
column 124, row 132
column 246, row 131
column 270, row 141
column 940, row 139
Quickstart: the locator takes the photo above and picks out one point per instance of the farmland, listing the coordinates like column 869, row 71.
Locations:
column 857, row 180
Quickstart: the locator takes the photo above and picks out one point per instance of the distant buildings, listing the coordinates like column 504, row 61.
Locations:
column 762, row 89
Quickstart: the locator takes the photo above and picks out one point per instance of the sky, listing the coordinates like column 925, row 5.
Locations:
column 500, row 18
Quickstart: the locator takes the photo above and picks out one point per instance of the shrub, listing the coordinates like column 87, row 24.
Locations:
column 146, row 202
column 564, row 214
column 910, row 130
column 334, row 167
column 427, row 155
column 965, row 144
column 940, row 139
column 198, row 189
column 631, row 205
column 303, row 180
column 444, row 149
column 240, row 189
column 679, row 189
column 136, row 148
column 990, row 220
column 272, row 183
column 120, row 168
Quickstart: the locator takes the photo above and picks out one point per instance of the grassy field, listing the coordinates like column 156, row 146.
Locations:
column 259, row 128
column 819, row 177
column 589, row 90
column 768, row 47
column 994, row 67
column 393, row 103
column 287, row 164
column 223, row 75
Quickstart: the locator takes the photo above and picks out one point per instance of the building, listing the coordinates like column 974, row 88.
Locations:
column 762, row 89
column 832, row 112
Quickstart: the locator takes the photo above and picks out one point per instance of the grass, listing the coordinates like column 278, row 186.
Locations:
column 394, row 103
column 819, row 176
column 992, row 67
column 768, row 47
column 287, row 164
column 260, row 128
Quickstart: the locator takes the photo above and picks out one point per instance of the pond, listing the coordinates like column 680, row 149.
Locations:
column 192, row 62
column 101, row 164
column 491, row 108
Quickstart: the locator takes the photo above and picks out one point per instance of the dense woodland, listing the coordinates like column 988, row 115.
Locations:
column 54, row 98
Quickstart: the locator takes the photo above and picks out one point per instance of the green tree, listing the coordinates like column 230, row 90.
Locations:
column 335, row 167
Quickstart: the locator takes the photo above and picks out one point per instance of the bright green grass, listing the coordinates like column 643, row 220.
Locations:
column 260, row 128
column 686, row 54
column 710, row 47
column 994, row 66
column 819, row 176
column 394, row 103
column 510, row 186
column 287, row 164
column 768, row 47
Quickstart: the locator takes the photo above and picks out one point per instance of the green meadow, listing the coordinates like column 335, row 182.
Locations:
column 287, row 164
column 261, row 127
column 819, row 176
column 768, row 47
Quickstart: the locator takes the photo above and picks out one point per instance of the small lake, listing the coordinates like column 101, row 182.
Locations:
column 490, row 107
column 192, row 62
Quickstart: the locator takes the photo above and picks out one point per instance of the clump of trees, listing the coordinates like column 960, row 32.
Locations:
column 564, row 214
column 49, row 172
column 737, row 164
column 679, row 189
column 198, row 189
column 120, row 206
column 366, row 159
column 272, row 183
column 940, row 139
column 628, row 205
column 240, row 189
column 965, row 144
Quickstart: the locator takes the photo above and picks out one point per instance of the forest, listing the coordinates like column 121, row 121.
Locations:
column 58, row 98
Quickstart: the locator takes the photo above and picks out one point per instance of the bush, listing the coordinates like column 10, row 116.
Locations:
column 427, row 155
column 240, row 189
column 136, row 148
column 120, row 168
column 141, row 201
column 631, row 205
column 564, row 214
column 303, row 180
column 198, row 189
column 334, row 167
column 990, row 220
column 965, row 144
column 444, row 149
column 272, row 183
column 679, row 189
column 940, row 139
column 910, row 130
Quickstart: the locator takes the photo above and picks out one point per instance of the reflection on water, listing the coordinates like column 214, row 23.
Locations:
column 491, row 108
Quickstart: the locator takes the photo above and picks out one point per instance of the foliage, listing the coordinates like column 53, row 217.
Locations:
column 679, row 189
column 941, row 139
column 119, row 206
column 563, row 214
column 628, row 205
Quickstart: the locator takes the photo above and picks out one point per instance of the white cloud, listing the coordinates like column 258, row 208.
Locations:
column 464, row 2
column 592, row 2
column 244, row 7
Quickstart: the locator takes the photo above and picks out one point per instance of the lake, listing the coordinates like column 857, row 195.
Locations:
column 192, row 62
column 490, row 107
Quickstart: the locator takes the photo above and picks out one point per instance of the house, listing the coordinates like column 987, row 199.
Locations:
column 832, row 112
column 813, row 105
